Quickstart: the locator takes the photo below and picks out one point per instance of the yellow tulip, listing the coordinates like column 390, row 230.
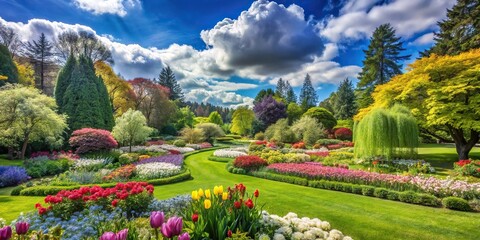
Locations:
column 195, row 195
column 218, row 190
column 207, row 203
column 207, row 193
column 200, row 192
column 225, row 196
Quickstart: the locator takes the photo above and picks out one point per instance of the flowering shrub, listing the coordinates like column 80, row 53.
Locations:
column 129, row 196
column 348, row 144
column 90, row 164
column 12, row 175
column 335, row 146
column 432, row 185
column 228, row 153
column 343, row 134
column 121, row 174
column 292, row 227
column 413, row 166
column 54, row 155
column 217, row 213
column 296, row 157
column 174, row 159
column 300, row 145
column 249, row 163
column 157, row 170
column 91, row 140
column 179, row 149
column 467, row 168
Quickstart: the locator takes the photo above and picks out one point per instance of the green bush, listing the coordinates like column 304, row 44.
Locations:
column 281, row 178
column 16, row 191
column 408, row 197
column 179, row 143
column 367, row 190
column 41, row 168
column 392, row 195
column 456, row 203
column 259, row 136
column 233, row 136
column 357, row 189
column 380, row 192
column 224, row 139
column 327, row 141
column 427, row 200
column 220, row 159
column 128, row 158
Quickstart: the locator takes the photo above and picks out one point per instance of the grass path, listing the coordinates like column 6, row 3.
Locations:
column 358, row 216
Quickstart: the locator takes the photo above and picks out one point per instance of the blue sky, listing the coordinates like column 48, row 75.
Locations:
column 224, row 52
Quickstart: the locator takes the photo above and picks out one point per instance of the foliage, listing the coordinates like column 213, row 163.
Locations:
column 131, row 128
column 269, row 111
column 12, row 175
column 120, row 93
column 64, row 79
column 386, row 133
column 263, row 94
column 323, row 116
column 456, row 203
column 290, row 96
column 40, row 52
column 91, row 140
column 468, row 168
column 192, row 135
column 85, row 100
column 344, row 104
column 308, row 129
column 185, row 118
column 242, row 120
column 280, row 89
column 259, row 136
column 344, row 124
column 294, row 112
column 168, row 80
column 249, row 163
column 343, row 134
column 442, row 92
column 27, row 116
column 179, row 143
column 73, row 43
column 7, row 67
column 280, row 132
column 215, row 117
column 329, row 102
column 210, row 131
column 41, row 168
column 308, row 95
column 381, row 62
column 26, row 74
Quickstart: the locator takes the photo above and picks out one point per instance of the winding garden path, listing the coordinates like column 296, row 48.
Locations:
column 357, row 216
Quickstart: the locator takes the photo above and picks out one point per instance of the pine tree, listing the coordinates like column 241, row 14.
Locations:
column 308, row 95
column 460, row 32
column 290, row 96
column 280, row 90
column 381, row 62
column 40, row 52
column 63, row 81
column 344, row 104
column 7, row 67
column 167, row 79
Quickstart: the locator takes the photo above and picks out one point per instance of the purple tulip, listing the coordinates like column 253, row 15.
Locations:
column 108, row 236
column 5, row 233
column 184, row 236
column 21, row 228
column 122, row 235
column 173, row 227
column 156, row 219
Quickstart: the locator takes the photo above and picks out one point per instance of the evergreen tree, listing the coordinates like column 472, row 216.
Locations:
column 290, row 96
column 308, row 95
column 280, row 89
column 460, row 32
column 344, row 104
column 262, row 94
column 329, row 102
column 8, row 68
column 40, row 52
column 63, row 81
column 381, row 62
column 167, row 79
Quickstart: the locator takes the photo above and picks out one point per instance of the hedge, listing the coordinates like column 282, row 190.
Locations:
column 220, row 159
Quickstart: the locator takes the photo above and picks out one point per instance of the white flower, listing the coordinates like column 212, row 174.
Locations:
column 228, row 153
column 297, row 235
column 335, row 234
column 278, row 236
column 264, row 237
column 84, row 162
column 309, row 235
column 157, row 170
column 325, row 226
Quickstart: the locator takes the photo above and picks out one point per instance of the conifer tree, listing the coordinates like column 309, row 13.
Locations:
column 308, row 95
column 167, row 79
column 64, row 80
column 344, row 104
column 280, row 90
column 8, row 69
column 290, row 96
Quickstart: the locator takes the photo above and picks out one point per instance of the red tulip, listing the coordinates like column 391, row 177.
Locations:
column 256, row 193
column 249, row 203
column 237, row 204
column 195, row 217
column 229, row 233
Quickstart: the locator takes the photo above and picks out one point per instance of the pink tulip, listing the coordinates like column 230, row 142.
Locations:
column 156, row 219
column 173, row 227
column 5, row 233
column 21, row 228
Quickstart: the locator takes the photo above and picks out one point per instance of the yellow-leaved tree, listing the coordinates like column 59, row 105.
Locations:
column 443, row 93
column 26, row 74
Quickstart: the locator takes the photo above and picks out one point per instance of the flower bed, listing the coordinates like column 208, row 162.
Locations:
column 174, row 159
column 157, row 170
column 437, row 187
column 249, row 163
column 227, row 153
column 179, row 149
column 12, row 175
column 467, row 167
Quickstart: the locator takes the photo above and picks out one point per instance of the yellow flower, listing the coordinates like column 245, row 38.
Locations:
column 224, row 196
column 218, row 190
column 207, row 193
column 207, row 203
column 195, row 195
column 200, row 192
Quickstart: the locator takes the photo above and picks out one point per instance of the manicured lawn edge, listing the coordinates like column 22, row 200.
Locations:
column 220, row 159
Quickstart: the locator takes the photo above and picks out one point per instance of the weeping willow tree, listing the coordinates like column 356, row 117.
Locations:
column 386, row 133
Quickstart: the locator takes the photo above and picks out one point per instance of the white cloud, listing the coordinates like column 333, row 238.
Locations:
column 425, row 39
column 358, row 19
column 98, row 7
column 218, row 98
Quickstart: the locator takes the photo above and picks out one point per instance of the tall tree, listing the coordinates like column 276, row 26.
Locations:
column 215, row 117
column 308, row 95
column 290, row 96
column 8, row 68
column 329, row 102
column 460, row 31
column 382, row 62
column 344, row 104
column 26, row 74
column 242, row 121
column 82, row 43
column 9, row 38
column 262, row 94
column 280, row 90
column 64, row 80
column 40, row 52
column 168, row 80
column 131, row 128
column 269, row 110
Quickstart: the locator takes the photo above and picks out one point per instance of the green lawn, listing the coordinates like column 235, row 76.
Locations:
column 358, row 216
column 442, row 156
column 6, row 162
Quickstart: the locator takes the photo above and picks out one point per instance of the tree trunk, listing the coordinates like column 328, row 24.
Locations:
column 24, row 148
column 42, row 85
column 463, row 146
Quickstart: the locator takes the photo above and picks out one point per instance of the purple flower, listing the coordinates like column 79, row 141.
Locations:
column 156, row 219
column 5, row 233
column 108, row 236
column 122, row 235
column 21, row 228
column 175, row 159
column 184, row 236
column 12, row 175
column 173, row 227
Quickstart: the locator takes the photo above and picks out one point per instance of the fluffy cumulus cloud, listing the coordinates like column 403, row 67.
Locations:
column 425, row 39
column 97, row 7
column 358, row 19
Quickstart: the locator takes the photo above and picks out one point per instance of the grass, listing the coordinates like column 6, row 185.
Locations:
column 357, row 216
column 7, row 162
column 442, row 156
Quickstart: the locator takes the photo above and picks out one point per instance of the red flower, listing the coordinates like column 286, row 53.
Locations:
column 42, row 210
column 462, row 163
column 375, row 162
column 115, row 203
column 249, row 203
column 237, row 204
column 229, row 233
column 38, row 205
column 256, row 193
column 195, row 217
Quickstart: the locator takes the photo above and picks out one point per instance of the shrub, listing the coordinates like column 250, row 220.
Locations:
column 259, row 136
column 128, row 158
column 367, row 190
column 92, row 140
column 12, row 175
column 392, row 195
column 327, row 141
column 299, row 145
column 308, row 129
column 343, row 134
column 467, row 167
column 380, row 192
column 427, row 200
column 179, row 143
column 192, row 135
column 249, row 163
column 357, row 189
column 40, row 168
column 408, row 197
column 456, row 203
